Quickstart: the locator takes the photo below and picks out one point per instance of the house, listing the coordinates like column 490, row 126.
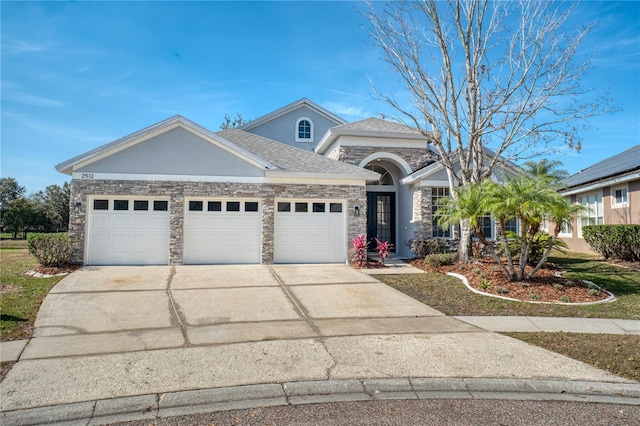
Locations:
column 610, row 189
column 293, row 186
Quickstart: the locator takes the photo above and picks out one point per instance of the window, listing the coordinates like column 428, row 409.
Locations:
column 160, row 206
column 620, row 197
column 511, row 225
column 566, row 228
column 385, row 176
column 214, row 206
column 284, row 207
column 594, row 214
column 251, row 206
column 101, row 204
column 195, row 206
column 121, row 204
column 233, row 206
column 436, row 195
column 486, row 226
column 319, row 207
column 141, row 205
column 304, row 130
column 302, row 207
column 335, row 207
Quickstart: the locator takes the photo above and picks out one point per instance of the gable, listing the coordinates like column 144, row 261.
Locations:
column 281, row 124
column 177, row 151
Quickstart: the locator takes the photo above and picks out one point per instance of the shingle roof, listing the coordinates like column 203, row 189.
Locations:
column 290, row 107
column 624, row 162
column 291, row 159
column 378, row 125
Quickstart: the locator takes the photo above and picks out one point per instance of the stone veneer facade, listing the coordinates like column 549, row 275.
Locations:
column 177, row 191
column 415, row 157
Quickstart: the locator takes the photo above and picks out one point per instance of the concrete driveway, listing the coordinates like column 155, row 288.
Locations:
column 106, row 332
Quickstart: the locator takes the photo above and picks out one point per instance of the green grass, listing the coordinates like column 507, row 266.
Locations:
column 19, row 309
column 451, row 297
column 618, row 354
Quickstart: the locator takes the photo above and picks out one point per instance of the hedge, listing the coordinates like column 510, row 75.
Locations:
column 50, row 249
column 620, row 242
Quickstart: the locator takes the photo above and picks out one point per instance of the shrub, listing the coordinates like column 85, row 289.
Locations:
column 440, row 259
column 614, row 241
column 50, row 249
column 564, row 299
column 501, row 290
column 359, row 250
column 558, row 286
column 424, row 247
column 384, row 250
column 537, row 247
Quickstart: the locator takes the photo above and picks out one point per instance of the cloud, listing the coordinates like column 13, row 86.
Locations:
column 347, row 110
column 21, row 46
column 32, row 100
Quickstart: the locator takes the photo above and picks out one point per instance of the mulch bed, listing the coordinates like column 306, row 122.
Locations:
column 368, row 265
column 539, row 289
column 55, row 270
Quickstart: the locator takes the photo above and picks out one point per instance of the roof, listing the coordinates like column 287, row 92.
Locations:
column 626, row 161
column 369, row 127
column 177, row 120
column 290, row 107
column 276, row 158
column 291, row 159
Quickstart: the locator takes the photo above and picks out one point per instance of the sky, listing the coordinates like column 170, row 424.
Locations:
column 76, row 75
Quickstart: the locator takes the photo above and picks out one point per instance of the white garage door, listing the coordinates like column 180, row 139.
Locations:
column 128, row 231
column 310, row 231
column 222, row 231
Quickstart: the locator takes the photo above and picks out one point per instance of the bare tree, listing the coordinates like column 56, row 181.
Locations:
column 230, row 123
column 486, row 74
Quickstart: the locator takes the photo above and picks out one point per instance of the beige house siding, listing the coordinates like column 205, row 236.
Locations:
column 612, row 214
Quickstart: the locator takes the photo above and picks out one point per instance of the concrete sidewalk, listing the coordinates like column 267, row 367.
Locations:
column 142, row 340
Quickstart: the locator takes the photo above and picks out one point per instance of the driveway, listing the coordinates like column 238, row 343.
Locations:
column 106, row 332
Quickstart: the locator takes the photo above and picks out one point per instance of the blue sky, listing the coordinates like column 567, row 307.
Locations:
column 76, row 75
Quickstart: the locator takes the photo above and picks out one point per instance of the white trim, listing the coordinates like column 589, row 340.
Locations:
column 589, row 214
column 288, row 178
column 432, row 183
column 297, row 130
column 614, row 204
column 602, row 184
column 292, row 107
column 386, row 156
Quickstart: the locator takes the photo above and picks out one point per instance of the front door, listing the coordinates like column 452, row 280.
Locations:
column 381, row 218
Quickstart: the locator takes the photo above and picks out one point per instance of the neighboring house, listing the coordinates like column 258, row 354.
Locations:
column 293, row 186
column 610, row 189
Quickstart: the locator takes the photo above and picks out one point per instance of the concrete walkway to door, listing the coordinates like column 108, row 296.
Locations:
column 113, row 332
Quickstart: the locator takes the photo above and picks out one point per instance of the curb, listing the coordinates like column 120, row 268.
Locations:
column 152, row 406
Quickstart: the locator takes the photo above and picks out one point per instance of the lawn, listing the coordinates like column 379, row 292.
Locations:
column 618, row 354
column 451, row 297
column 21, row 294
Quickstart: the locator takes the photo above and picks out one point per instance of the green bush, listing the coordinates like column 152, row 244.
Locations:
column 440, row 259
column 614, row 241
column 424, row 247
column 537, row 247
column 50, row 249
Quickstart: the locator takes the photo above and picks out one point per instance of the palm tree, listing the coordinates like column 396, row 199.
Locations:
column 550, row 170
column 557, row 212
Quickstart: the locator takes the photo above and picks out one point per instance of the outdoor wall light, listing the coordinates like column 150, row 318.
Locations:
column 357, row 210
column 77, row 205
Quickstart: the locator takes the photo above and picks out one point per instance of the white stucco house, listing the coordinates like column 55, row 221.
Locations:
column 293, row 186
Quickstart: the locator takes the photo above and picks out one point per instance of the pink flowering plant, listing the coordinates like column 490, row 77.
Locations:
column 384, row 250
column 359, row 250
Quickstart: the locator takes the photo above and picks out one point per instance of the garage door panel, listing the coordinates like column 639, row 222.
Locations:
column 310, row 237
column 214, row 237
column 128, row 237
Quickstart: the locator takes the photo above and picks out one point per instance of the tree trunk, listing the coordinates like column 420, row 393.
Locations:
column 464, row 245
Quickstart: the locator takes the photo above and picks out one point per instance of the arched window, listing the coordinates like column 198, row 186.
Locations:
column 304, row 130
column 385, row 175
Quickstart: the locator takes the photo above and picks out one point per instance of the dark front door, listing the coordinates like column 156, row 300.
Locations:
column 381, row 218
